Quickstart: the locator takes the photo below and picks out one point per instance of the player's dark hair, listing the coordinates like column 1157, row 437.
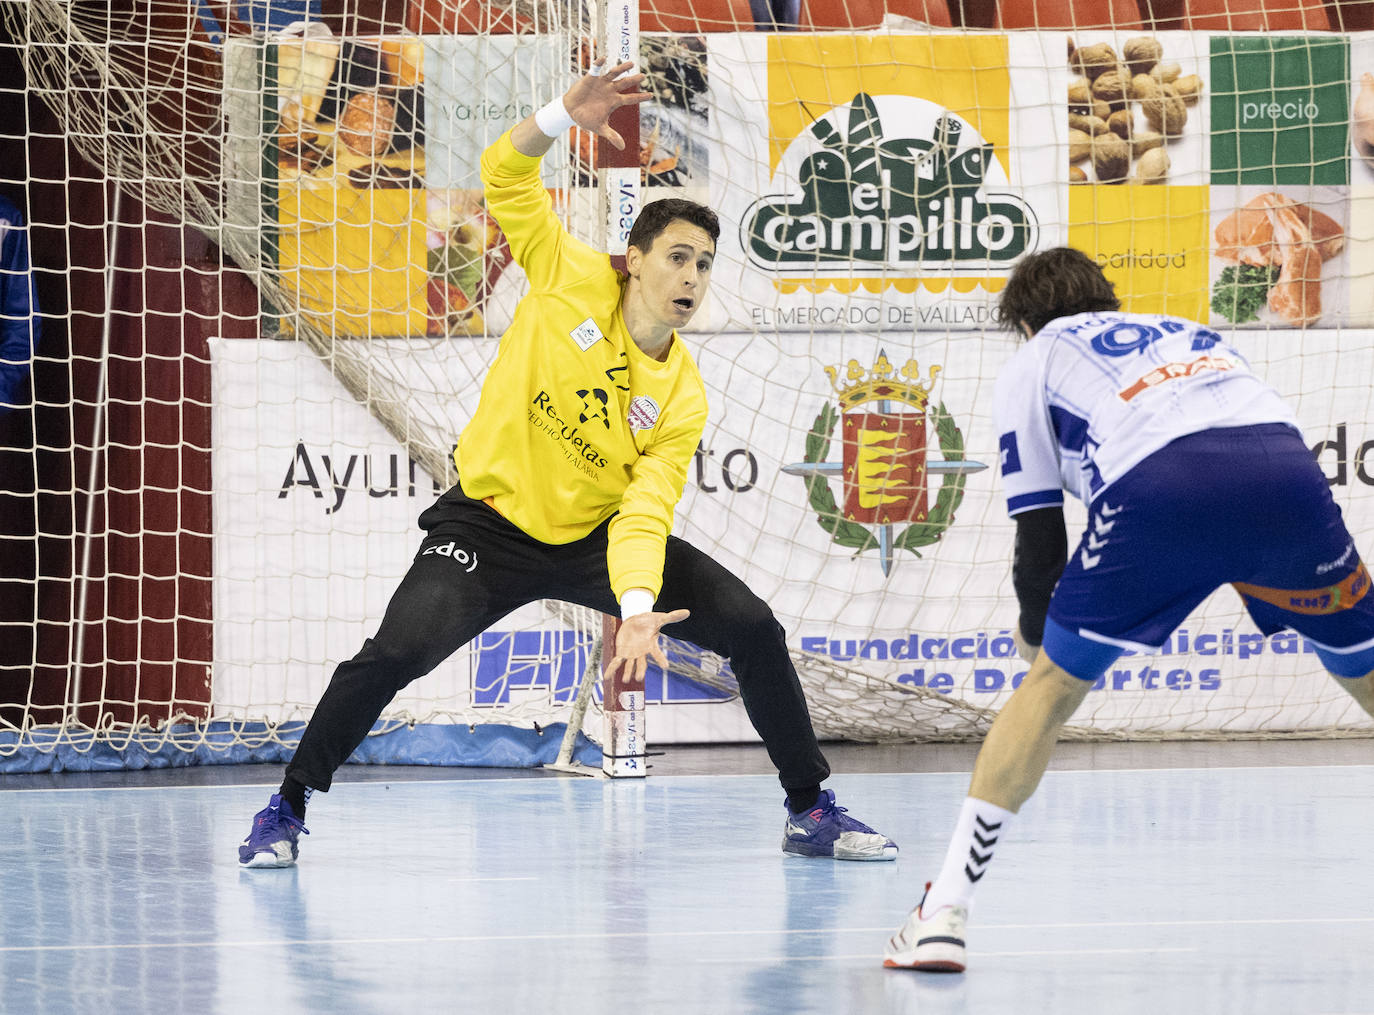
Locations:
column 1058, row 282
column 654, row 218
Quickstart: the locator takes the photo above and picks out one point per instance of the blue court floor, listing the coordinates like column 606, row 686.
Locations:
column 1171, row 891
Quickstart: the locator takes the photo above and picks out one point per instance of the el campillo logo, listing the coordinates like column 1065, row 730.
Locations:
column 891, row 201
column 884, row 466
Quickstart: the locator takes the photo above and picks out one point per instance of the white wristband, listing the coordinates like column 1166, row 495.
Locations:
column 634, row 602
column 553, row 119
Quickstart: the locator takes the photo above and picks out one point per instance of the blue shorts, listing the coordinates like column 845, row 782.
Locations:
column 1244, row 505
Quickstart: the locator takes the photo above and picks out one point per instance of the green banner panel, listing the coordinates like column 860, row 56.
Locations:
column 1280, row 110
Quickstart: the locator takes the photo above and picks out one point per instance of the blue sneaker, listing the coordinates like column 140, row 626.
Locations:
column 828, row 830
column 272, row 842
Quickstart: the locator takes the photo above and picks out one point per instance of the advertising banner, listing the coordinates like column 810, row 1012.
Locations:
column 844, row 487
column 885, row 181
column 890, row 181
column 874, row 193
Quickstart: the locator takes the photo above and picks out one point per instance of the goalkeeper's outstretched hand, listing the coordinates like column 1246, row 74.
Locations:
column 599, row 93
column 637, row 641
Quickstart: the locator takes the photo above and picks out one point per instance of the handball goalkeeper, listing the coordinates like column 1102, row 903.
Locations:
column 568, row 475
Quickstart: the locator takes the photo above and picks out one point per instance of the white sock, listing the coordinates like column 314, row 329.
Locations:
column 980, row 826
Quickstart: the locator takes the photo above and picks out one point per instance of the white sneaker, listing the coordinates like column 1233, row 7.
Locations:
column 933, row 943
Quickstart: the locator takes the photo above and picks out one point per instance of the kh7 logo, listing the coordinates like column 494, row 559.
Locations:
column 594, row 402
column 895, row 202
column 884, row 467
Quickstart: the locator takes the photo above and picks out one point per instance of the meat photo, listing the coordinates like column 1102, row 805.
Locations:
column 1273, row 230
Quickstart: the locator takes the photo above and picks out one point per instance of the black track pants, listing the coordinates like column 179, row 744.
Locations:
column 474, row 567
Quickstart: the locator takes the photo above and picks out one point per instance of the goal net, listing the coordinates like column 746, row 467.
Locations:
column 271, row 292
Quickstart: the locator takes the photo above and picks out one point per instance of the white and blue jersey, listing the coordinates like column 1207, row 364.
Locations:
column 1195, row 475
column 1095, row 394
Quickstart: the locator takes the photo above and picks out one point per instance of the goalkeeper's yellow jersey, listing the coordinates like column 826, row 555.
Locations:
column 575, row 423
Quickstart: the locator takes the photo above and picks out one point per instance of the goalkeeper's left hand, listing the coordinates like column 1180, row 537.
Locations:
column 596, row 95
column 637, row 642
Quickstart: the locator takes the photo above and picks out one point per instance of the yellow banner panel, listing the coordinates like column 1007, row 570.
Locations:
column 810, row 74
column 356, row 257
column 1152, row 242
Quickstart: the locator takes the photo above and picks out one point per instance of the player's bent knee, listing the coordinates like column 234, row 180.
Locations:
column 1361, row 689
column 1046, row 671
column 751, row 615
column 401, row 664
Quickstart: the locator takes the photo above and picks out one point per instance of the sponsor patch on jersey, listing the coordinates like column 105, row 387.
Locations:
column 643, row 412
column 1173, row 371
column 586, row 334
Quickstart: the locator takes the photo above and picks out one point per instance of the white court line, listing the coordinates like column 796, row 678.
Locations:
column 965, row 771
column 1178, row 923
column 846, row 776
column 648, row 935
column 869, row 956
column 1202, row 768
column 387, row 783
column 1081, row 951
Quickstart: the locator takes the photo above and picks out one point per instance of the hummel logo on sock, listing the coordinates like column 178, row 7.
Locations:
column 985, row 835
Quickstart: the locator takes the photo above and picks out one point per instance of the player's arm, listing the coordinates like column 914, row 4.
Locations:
column 636, row 541
column 1042, row 550
column 1034, row 492
column 516, row 197
column 639, row 531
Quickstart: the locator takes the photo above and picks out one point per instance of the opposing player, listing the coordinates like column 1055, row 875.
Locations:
column 1195, row 475
column 568, row 476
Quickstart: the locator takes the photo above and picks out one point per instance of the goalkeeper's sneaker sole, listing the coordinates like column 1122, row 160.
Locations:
column 849, row 846
column 272, row 859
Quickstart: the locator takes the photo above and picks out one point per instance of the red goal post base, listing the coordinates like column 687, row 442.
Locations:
column 623, row 754
column 622, row 702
